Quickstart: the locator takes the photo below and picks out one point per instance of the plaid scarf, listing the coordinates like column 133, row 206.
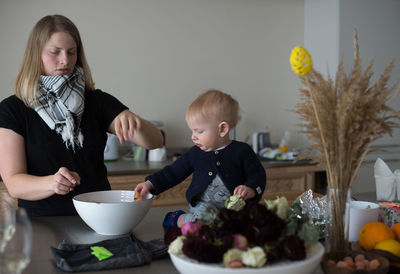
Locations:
column 61, row 104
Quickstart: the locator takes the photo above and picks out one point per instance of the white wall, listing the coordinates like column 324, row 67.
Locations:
column 158, row 55
column 321, row 34
column 378, row 37
column 328, row 33
column 377, row 22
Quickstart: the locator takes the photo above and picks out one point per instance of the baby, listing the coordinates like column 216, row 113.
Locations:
column 221, row 167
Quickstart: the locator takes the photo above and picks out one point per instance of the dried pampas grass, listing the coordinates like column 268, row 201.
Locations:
column 343, row 117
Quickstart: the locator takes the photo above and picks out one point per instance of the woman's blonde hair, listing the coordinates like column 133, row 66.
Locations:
column 214, row 104
column 27, row 80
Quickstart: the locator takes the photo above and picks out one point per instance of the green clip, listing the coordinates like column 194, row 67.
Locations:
column 137, row 154
column 101, row 253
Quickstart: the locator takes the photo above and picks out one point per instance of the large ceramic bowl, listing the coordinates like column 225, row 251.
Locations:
column 111, row 212
column 188, row 266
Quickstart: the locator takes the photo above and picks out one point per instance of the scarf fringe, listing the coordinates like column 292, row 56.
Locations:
column 68, row 135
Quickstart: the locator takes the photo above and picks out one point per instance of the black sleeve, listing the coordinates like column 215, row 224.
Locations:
column 109, row 106
column 171, row 175
column 255, row 173
column 12, row 111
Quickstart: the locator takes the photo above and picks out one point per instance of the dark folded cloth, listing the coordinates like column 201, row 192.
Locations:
column 127, row 251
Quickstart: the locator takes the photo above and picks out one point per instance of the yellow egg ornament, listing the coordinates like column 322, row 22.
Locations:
column 300, row 60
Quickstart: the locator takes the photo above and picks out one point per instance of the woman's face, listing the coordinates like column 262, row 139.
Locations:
column 59, row 54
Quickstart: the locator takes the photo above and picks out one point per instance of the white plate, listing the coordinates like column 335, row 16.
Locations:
column 188, row 266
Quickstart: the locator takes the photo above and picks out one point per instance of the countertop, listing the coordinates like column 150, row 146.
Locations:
column 50, row 231
column 127, row 167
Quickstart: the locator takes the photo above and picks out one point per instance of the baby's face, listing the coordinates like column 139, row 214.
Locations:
column 205, row 133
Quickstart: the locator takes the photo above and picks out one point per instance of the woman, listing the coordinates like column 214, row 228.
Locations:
column 53, row 131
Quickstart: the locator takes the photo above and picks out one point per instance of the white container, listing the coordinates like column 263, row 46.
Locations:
column 260, row 140
column 158, row 154
column 111, row 149
column 361, row 213
column 111, row 212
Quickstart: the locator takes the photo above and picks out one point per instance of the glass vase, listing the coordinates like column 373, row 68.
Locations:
column 338, row 201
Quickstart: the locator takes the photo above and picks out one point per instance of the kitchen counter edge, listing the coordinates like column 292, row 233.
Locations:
column 131, row 167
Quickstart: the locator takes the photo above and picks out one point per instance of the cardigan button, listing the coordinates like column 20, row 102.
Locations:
column 216, row 152
column 210, row 173
column 218, row 163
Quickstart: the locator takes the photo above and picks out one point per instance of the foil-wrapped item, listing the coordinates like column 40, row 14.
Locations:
column 316, row 209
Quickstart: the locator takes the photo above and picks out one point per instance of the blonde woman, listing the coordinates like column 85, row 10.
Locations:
column 53, row 131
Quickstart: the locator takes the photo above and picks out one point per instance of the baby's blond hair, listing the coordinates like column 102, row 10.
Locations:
column 214, row 104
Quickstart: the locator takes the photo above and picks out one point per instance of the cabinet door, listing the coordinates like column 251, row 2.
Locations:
column 289, row 182
column 292, row 181
column 295, row 178
column 173, row 196
column 126, row 182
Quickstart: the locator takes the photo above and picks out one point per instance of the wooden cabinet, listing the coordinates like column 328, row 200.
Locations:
column 293, row 180
column 288, row 181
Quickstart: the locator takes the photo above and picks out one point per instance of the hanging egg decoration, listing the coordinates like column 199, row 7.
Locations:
column 300, row 60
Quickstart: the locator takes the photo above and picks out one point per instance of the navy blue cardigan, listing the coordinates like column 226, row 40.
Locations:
column 236, row 164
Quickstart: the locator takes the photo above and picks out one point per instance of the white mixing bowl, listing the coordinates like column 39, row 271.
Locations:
column 111, row 212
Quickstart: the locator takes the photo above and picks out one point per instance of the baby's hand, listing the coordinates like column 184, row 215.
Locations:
column 245, row 192
column 143, row 189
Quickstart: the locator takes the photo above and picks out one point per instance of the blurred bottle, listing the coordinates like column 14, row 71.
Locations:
column 284, row 143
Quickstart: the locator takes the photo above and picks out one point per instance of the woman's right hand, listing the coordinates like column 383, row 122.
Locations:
column 144, row 188
column 128, row 126
column 64, row 181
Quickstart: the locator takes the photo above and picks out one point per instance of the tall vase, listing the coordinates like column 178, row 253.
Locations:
column 336, row 239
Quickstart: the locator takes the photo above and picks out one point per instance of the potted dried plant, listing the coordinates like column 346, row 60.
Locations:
column 343, row 117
